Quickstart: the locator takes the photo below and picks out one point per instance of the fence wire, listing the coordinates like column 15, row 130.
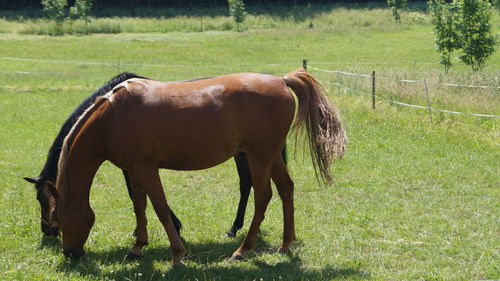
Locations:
column 406, row 104
column 400, row 80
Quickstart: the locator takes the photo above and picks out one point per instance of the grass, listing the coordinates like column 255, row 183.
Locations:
column 412, row 199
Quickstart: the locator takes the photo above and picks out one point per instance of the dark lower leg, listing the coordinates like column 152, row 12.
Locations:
column 177, row 223
column 240, row 215
column 245, row 186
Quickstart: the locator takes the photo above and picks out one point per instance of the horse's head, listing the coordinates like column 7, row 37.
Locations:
column 46, row 195
column 73, row 221
column 75, row 225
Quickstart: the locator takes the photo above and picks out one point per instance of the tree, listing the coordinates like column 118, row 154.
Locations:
column 478, row 42
column 237, row 11
column 445, row 19
column 396, row 6
column 463, row 25
column 55, row 10
column 81, row 10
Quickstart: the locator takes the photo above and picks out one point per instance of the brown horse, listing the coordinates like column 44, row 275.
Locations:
column 143, row 125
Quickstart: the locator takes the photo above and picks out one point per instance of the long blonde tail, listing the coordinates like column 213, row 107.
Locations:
column 326, row 135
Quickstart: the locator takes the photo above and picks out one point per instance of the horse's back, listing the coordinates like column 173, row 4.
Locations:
column 211, row 119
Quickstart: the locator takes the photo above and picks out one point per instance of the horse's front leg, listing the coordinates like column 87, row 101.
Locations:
column 139, row 200
column 148, row 178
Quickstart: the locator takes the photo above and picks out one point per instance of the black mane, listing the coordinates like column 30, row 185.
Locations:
column 49, row 171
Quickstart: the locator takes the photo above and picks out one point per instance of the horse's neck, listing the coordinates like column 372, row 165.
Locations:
column 81, row 166
column 49, row 171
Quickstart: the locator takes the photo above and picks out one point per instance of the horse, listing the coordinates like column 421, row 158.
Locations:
column 143, row 125
column 49, row 171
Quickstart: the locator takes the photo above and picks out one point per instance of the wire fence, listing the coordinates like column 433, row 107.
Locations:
column 407, row 104
column 400, row 80
column 392, row 101
column 308, row 67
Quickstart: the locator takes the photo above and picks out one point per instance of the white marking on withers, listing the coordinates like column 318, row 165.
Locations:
column 124, row 84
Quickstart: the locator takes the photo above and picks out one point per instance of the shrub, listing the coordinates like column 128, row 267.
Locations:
column 237, row 11
column 81, row 10
column 445, row 20
column 463, row 25
column 396, row 6
column 478, row 42
column 56, row 11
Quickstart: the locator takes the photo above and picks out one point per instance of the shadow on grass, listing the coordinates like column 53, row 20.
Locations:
column 204, row 261
column 51, row 242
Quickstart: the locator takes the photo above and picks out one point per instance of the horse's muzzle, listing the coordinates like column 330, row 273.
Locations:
column 73, row 253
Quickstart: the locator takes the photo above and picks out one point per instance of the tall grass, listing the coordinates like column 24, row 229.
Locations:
column 339, row 18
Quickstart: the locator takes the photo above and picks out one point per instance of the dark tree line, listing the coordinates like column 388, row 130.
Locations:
column 35, row 4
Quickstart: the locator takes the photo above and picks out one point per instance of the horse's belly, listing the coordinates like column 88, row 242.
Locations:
column 195, row 161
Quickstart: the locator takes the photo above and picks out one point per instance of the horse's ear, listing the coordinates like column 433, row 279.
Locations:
column 52, row 188
column 33, row 180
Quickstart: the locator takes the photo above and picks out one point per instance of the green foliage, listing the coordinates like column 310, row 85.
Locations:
column 396, row 6
column 56, row 11
column 478, row 42
column 81, row 10
column 463, row 25
column 237, row 11
column 446, row 17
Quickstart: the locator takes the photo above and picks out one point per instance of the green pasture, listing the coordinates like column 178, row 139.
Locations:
column 412, row 199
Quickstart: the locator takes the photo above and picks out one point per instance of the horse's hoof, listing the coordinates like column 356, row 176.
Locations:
column 237, row 257
column 134, row 256
column 232, row 232
column 284, row 250
column 74, row 253
column 178, row 263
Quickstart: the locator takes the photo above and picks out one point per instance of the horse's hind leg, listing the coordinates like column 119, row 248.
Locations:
column 149, row 180
column 245, row 187
column 260, row 171
column 284, row 184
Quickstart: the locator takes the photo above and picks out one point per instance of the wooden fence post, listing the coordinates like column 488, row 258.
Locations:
column 428, row 100
column 373, row 89
column 304, row 64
